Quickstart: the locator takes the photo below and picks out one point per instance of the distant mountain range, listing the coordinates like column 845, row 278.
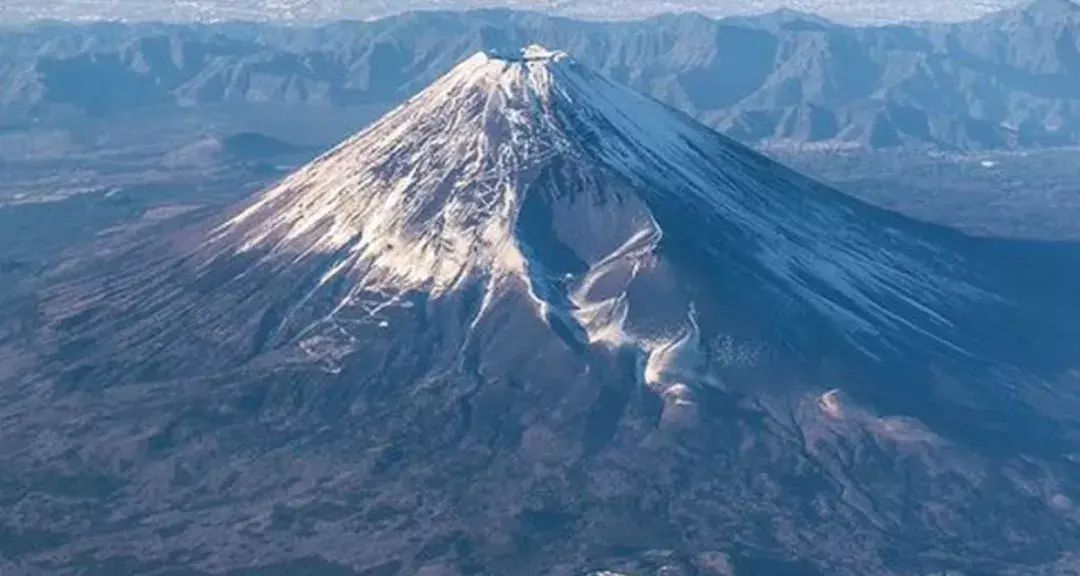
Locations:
column 1009, row 80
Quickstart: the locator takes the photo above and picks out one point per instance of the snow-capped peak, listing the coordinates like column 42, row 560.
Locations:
column 532, row 52
column 429, row 194
column 526, row 169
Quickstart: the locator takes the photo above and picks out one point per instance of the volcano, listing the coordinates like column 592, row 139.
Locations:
column 532, row 322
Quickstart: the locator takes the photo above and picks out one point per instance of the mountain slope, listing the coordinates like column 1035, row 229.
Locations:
column 534, row 322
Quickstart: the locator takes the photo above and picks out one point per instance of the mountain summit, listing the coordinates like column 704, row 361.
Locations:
column 532, row 322
column 529, row 169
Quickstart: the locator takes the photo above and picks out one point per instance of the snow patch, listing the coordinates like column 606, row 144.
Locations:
column 898, row 429
column 831, row 404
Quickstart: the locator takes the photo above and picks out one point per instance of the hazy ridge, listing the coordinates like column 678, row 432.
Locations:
column 1011, row 80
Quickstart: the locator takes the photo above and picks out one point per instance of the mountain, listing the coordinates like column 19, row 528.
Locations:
column 787, row 78
column 534, row 322
column 865, row 11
